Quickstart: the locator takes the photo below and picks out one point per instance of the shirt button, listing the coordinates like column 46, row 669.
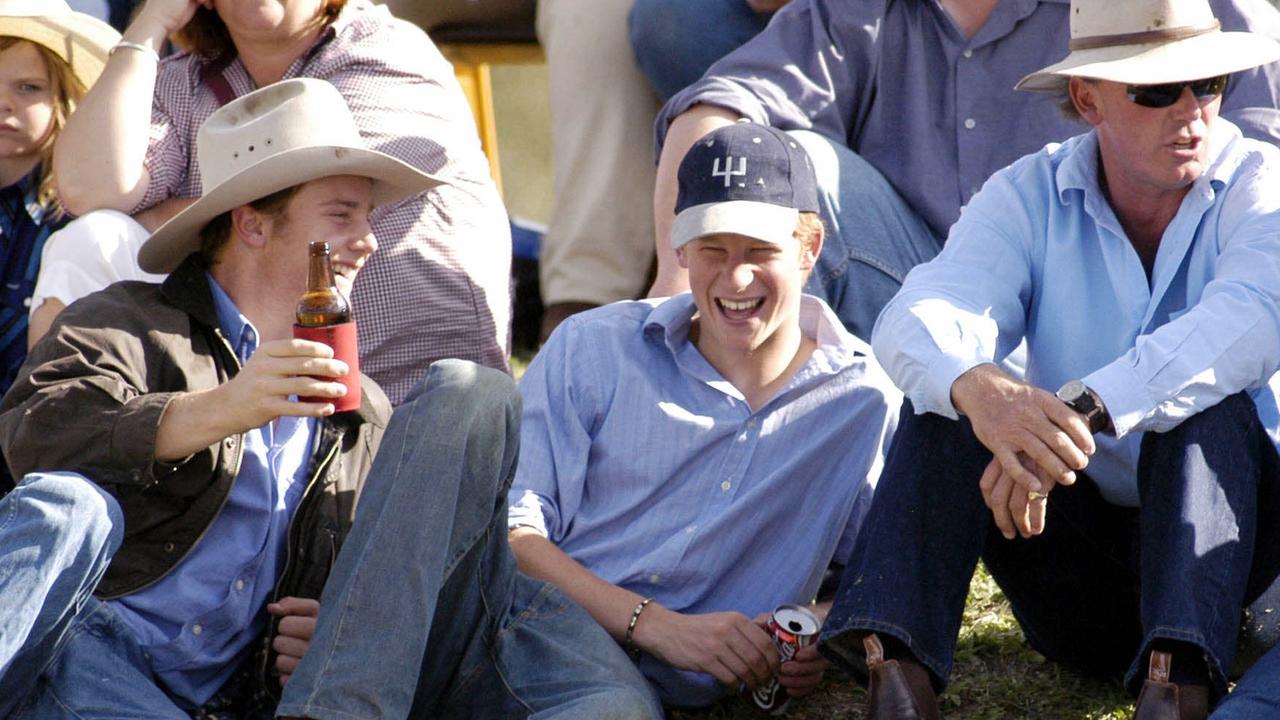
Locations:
column 197, row 629
column 239, row 585
column 726, row 485
column 968, row 53
column 690, row 529
column 742, row 438
column 654, row 579
column 970, row 123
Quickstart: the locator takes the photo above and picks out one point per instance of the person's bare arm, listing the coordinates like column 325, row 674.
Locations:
column 258, row 394
column 766, row 6
column 99, row 156
column 42, row 319
column 686, row 129
column 728, row 645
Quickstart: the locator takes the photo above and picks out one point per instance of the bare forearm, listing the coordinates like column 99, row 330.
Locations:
column 685, row 130
column 93, row 174
column 192, row 422
column 610, row 605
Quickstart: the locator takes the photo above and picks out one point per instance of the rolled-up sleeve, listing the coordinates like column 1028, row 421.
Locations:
column 805, row 71
column 555, row 438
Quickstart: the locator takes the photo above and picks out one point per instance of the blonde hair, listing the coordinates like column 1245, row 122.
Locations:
column 66, row 90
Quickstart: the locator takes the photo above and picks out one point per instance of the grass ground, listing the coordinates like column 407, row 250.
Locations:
column 996, row 676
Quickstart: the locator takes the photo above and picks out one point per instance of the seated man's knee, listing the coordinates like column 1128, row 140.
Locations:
column 73, row 508
column 461, row 389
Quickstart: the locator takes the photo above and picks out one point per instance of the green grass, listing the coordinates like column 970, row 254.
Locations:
column 996, row 677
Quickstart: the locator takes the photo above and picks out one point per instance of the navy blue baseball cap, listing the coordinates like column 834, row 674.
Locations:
column 746, row 179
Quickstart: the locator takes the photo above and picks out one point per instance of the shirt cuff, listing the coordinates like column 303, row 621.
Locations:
column 527, row 512
column 1123, row 394
column 943, row 372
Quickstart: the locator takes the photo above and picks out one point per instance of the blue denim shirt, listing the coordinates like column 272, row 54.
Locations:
column 195, row 623
column 933, row 111
column 644, row 464
column 1040, row 254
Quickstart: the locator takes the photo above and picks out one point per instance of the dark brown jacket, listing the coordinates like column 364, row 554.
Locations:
column 89, row 400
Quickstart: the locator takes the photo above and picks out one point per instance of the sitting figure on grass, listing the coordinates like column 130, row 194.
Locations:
column 1130, row 517
column 179, row 511
column 689, row 464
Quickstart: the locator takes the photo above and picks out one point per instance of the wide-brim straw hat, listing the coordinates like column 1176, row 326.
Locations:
column 282, row 135
column 1150, row 42
column 82, row 41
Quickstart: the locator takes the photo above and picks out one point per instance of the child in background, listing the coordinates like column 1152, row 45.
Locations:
column 49, row 56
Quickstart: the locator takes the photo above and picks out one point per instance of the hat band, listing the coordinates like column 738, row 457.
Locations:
column 1093, row 42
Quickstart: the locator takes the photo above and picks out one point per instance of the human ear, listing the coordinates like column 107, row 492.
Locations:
column 682, row 257
column 250, row 226
column 1084, row 95
column 810, row 251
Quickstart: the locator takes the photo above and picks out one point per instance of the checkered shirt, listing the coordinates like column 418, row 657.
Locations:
column 438, row 286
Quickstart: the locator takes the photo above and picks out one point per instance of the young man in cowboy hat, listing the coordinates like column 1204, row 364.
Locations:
column 180, row 510
column 771, row 419
column 1130, row 517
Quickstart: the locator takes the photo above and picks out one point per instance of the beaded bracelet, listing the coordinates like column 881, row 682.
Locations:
column 631, row 626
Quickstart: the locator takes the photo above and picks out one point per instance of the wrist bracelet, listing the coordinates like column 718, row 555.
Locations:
column 126, row 45
column 629, row 641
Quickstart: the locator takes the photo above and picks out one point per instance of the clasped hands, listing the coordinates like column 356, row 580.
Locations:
column 1037, row 442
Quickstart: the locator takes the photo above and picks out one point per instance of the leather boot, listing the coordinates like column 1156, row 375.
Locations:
column 1163, row 700
column 898, row 689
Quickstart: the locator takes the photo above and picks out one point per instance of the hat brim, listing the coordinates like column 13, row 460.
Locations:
column 1203, row 56
column 393, row 181
column 759, row 220
column 82, row 41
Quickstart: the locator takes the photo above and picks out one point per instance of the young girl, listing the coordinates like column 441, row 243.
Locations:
column 49, row 56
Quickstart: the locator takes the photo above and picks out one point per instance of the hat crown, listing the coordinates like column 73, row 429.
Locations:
column 288, row 115
column 747, row 162
column 1102, row 18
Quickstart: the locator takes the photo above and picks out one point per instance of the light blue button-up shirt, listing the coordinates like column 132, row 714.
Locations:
column 1040, row 253
column 195, row 623
column 645, row 465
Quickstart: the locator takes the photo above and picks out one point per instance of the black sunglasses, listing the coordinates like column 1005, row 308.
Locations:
column 1162, row 96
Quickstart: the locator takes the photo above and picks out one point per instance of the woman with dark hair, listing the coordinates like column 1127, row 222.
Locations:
column 439, row 285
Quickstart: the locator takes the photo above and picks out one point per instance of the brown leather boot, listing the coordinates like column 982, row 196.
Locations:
column 898, row 689
column 1163, row 700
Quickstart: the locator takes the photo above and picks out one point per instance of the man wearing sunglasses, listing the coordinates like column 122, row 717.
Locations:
column 1128, row 516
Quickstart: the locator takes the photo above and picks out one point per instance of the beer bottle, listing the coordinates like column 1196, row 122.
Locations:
column 322, row 304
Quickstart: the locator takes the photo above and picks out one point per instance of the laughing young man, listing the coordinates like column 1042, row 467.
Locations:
column 689, row 464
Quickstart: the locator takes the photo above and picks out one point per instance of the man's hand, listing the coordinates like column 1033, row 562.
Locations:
column 802, row 674
column 727, row 645
column 1012, row 418
column 1012, row 507
column 168, row 16
column 293, row 636
column 766, row 6
column 258, row 394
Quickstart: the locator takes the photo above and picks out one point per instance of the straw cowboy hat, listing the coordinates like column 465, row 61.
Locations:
column 81, row 40
column 282, row 135
column 1150, row 42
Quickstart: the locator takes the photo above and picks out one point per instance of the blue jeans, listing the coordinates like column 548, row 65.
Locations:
column 425, row 615
column 675, row 41
column 1102, row 583
column 64, row 654
column 873, row 237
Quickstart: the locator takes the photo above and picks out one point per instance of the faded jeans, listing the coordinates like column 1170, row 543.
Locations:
column 425, row 615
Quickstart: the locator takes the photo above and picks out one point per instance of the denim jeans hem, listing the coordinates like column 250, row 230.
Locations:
column 836, row 647
column 1137, row 674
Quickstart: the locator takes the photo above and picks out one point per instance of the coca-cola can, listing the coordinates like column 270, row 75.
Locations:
column 791, row 627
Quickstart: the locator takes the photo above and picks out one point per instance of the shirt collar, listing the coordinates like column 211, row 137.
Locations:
column 837, row 347
column 1078, row 169
column 28, row 188
column 241, row 333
